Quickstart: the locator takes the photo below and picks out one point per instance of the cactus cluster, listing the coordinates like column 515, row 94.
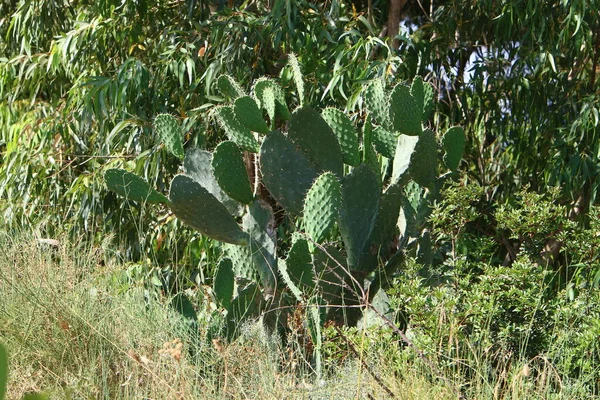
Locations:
column 355, row 202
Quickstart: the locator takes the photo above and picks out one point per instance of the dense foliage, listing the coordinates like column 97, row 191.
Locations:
column 82, row 84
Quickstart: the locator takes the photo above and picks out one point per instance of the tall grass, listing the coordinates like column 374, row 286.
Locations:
column 74, row 331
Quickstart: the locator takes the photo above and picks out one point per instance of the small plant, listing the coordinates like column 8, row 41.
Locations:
column 308, row 213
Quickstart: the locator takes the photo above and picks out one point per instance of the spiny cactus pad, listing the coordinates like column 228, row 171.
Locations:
column 235, row 130
column 198, row 165
column 378, row 245
column 230, row 172
column 196, row 207
column 286, row 172
column 321, row 206
column 259, row 222
column 248, row 113
column 344, row 129
column 360, row 203
column 405, row 113
column 385, row 142
column 169, row 132
column 243, row 266
column 454, row 146
column 271, row 98
column 369, row 156
column 330, row 272
column 378, row 102
column 316, row 139
column 223, row 282
column 229, row 87
column 417, row 90
column 423, row 166
column 405, row 148
column 299, row 265
column 428, row 100
column 132, row 187
column 297, row 76
column 244, row 306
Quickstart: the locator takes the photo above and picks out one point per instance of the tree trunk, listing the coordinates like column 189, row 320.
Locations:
column 393, row 21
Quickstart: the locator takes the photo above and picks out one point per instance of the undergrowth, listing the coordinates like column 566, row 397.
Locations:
column 78, row 325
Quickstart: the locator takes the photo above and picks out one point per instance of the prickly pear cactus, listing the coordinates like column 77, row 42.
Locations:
column 169, row 131
column 323, row 208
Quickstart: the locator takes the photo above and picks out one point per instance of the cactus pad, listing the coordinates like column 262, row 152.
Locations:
column 423, row 166
column 321, row 206
column 385, row 142
column 223, row 282
column 259, row 222
column 196, row 207
column 316, row 139
column 271, row 98
column 405, row 113
column 248, row 113
column 169, row 132
column 428, row 100
column 229, row 87
column 343, row 128
column 360, row 203
column 132, row 187
column 454, row 146
column 378, row 102
column 369, row 156
column 286, row 172
column 235, row 130
column 405, row 147
column 230, row 172
column 198, row 165
column 297, row 76
column 243, row 266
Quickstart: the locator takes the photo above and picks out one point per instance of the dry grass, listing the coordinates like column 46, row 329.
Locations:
column 72, row 333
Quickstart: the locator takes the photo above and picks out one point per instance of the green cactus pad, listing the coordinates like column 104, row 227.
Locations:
column 316, row 139
column 454, row 146
column 271, row 98
column 428, row 100
column 259, row 222
column 378, row 102
column 330, row 272
column 417, row 91
column 385, row 142
column 235, row 130
column 243, row 266
column 230, row 172
column 198, row 165
column 169, row 132
column 223, row 282
column 198, row 208
column 360, row 203
column 132, row 187
column 423, row 166
column 288, row 280
column 343, row 128
column 299, row 265
column 405, row 113
column 384, row 229
column 229, row 87
column 369, row 156
column 297, row 76
column 321, row 206
column 248, row 113
column 244, row 306
column 286, row 172
column 405, row 148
